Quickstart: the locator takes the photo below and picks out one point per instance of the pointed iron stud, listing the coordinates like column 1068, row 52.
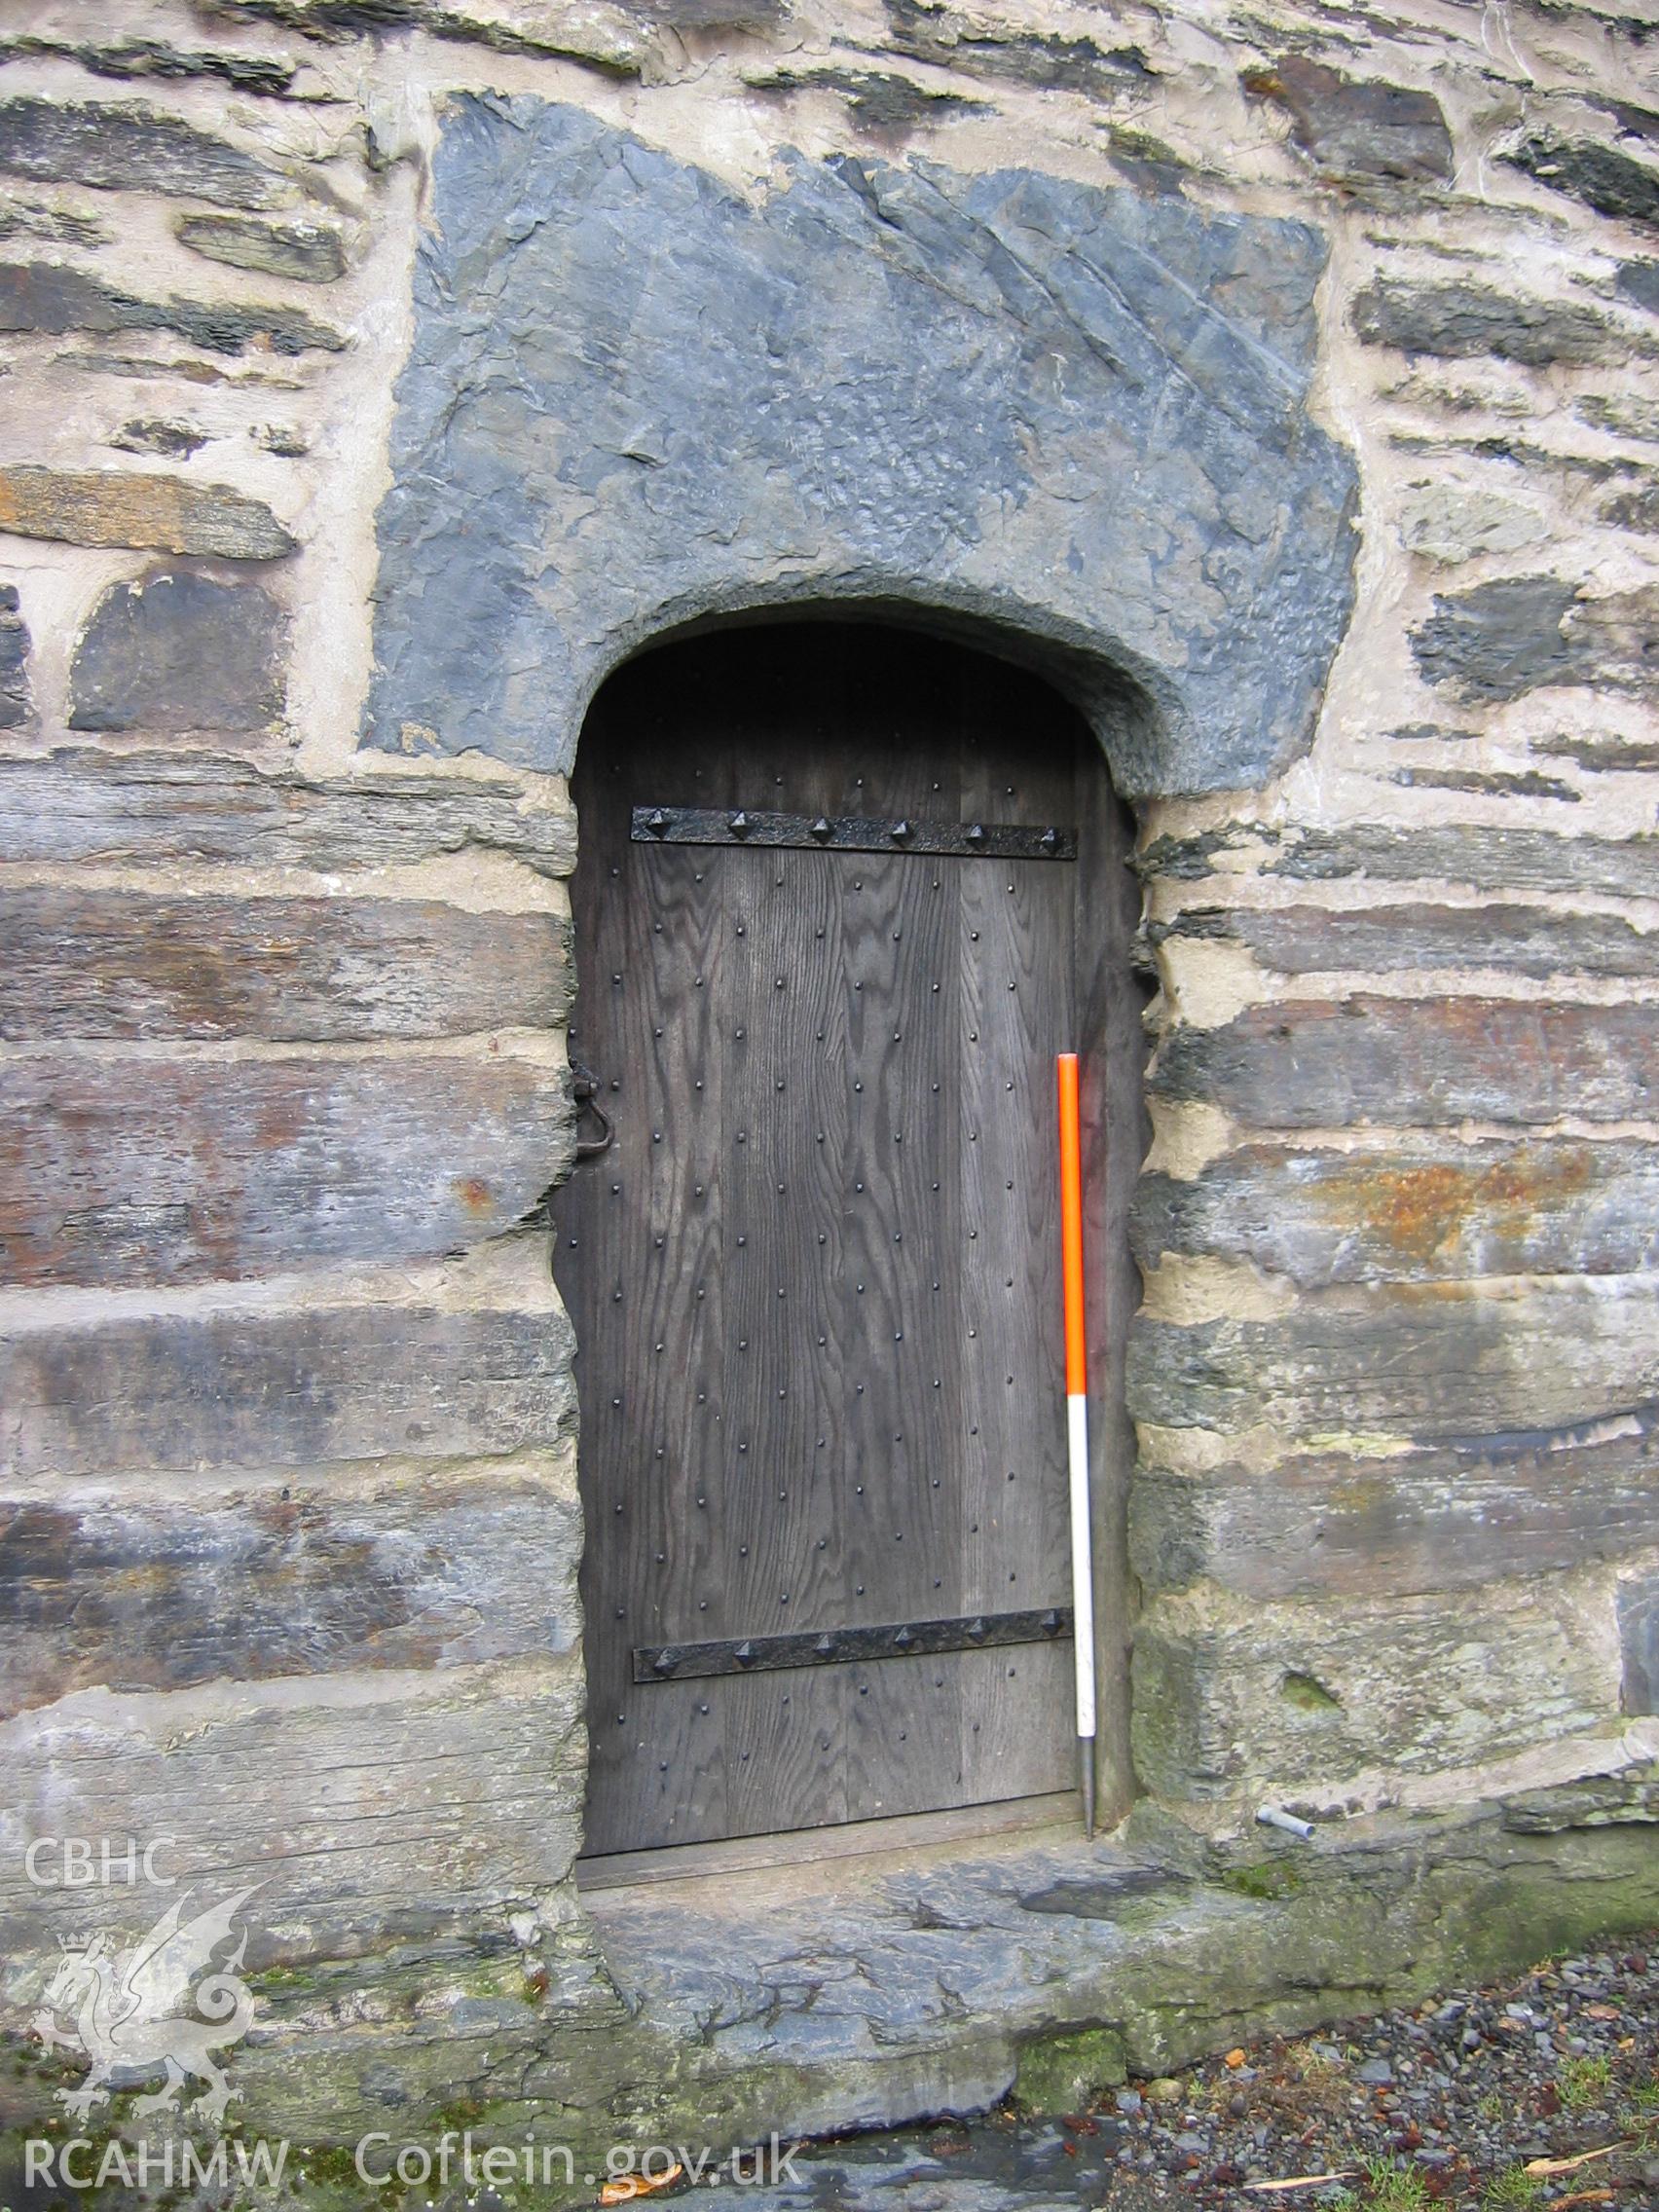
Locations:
column 1049, row 1624
column 656, row 822
column 823, row 830
column 665, row 1662
column 744, row 1655
column 740, row 825
column 902, row 1640
column 1050, row 841
column 825, row 1647
column 976, row 1630
column 900, row 833
column 974, row 833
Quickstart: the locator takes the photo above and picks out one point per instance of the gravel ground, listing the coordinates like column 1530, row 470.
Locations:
column 1445, row 2103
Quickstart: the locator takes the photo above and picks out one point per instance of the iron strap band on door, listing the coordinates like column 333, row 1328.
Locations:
column 828, row 1647
column 850, row 833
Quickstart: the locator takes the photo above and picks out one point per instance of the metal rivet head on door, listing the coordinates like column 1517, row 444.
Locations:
column 740, row 825
column 1049, row 841
column 656, row 822
column 974, row 833
column 900, row 833
column 823, row 829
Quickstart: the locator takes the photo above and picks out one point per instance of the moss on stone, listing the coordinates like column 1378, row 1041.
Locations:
column 1059, row 2073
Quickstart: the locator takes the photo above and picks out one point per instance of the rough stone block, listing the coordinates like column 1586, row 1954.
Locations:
column 1403, row 1062
column 1470, row 321
column 131, row 148
column 1502, row 639
column 1330, row 1525
column 156, row 434
column 100, row 1589
column 986, row 44
column 188, row 1171
column 313, row 253
column 1600, row 177
column 121, row 964
column 13, row 660
column 1477, row 858
column 43, row 296
column 174, row 652
column 372, row 1803
column 846, row 388
column 1639, row 1642
column 1529, row 941
column 1639, row 280
column 1437, row 1362
column 1427, row 1208
column 81, row 803
column 117, row 507
column 1232, row 1697
column 132, row 59
column 282, row 1387
column 1357, row 131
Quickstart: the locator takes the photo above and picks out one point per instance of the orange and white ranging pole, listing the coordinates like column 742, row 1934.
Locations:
column 1076, row 1426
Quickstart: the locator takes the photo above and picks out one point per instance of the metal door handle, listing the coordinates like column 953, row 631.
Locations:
column 584, row 1090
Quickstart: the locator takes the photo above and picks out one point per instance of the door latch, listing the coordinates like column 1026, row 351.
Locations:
column 584, row 1090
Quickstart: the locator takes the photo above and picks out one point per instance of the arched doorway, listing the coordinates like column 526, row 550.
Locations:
column 845, row 888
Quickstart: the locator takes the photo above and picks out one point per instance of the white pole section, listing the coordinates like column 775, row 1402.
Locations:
column 1077, row 1424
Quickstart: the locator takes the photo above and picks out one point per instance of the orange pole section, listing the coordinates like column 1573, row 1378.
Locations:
column 1071, row 1225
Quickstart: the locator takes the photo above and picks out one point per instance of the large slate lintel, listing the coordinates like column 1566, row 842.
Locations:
column 1070, row 424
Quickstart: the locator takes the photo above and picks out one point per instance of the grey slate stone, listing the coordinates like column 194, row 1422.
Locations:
column 13, row 660
column 44, row 295
column 1638, row 1643
column 1639, row 280
column 1357, row 131
column 131, row 148
column 1078, row 418
column 1464, row 321
column 176, row 651
column 135, row 58
column 1499, row 639
column 312, row 252
column 1598, row 176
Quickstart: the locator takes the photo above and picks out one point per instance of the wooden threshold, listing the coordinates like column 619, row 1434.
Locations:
column 801, row 1847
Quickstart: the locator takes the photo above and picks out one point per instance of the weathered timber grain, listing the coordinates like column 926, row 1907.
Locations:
column 119, row 964
column 1529, row 941
column 1329, row 1526
column 261, row 1387
column 1436, row 1362
column 79, row 803
column 1397, row 1062
column 1429, row 1207
column 182, row 1170
column 272, row 1579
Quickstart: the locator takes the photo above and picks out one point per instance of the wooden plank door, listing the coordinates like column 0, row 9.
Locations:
column 814, row 1275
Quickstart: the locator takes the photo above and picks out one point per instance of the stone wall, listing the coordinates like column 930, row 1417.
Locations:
column 289, row 680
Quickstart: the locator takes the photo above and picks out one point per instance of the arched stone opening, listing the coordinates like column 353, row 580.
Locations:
column 814, row 1272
